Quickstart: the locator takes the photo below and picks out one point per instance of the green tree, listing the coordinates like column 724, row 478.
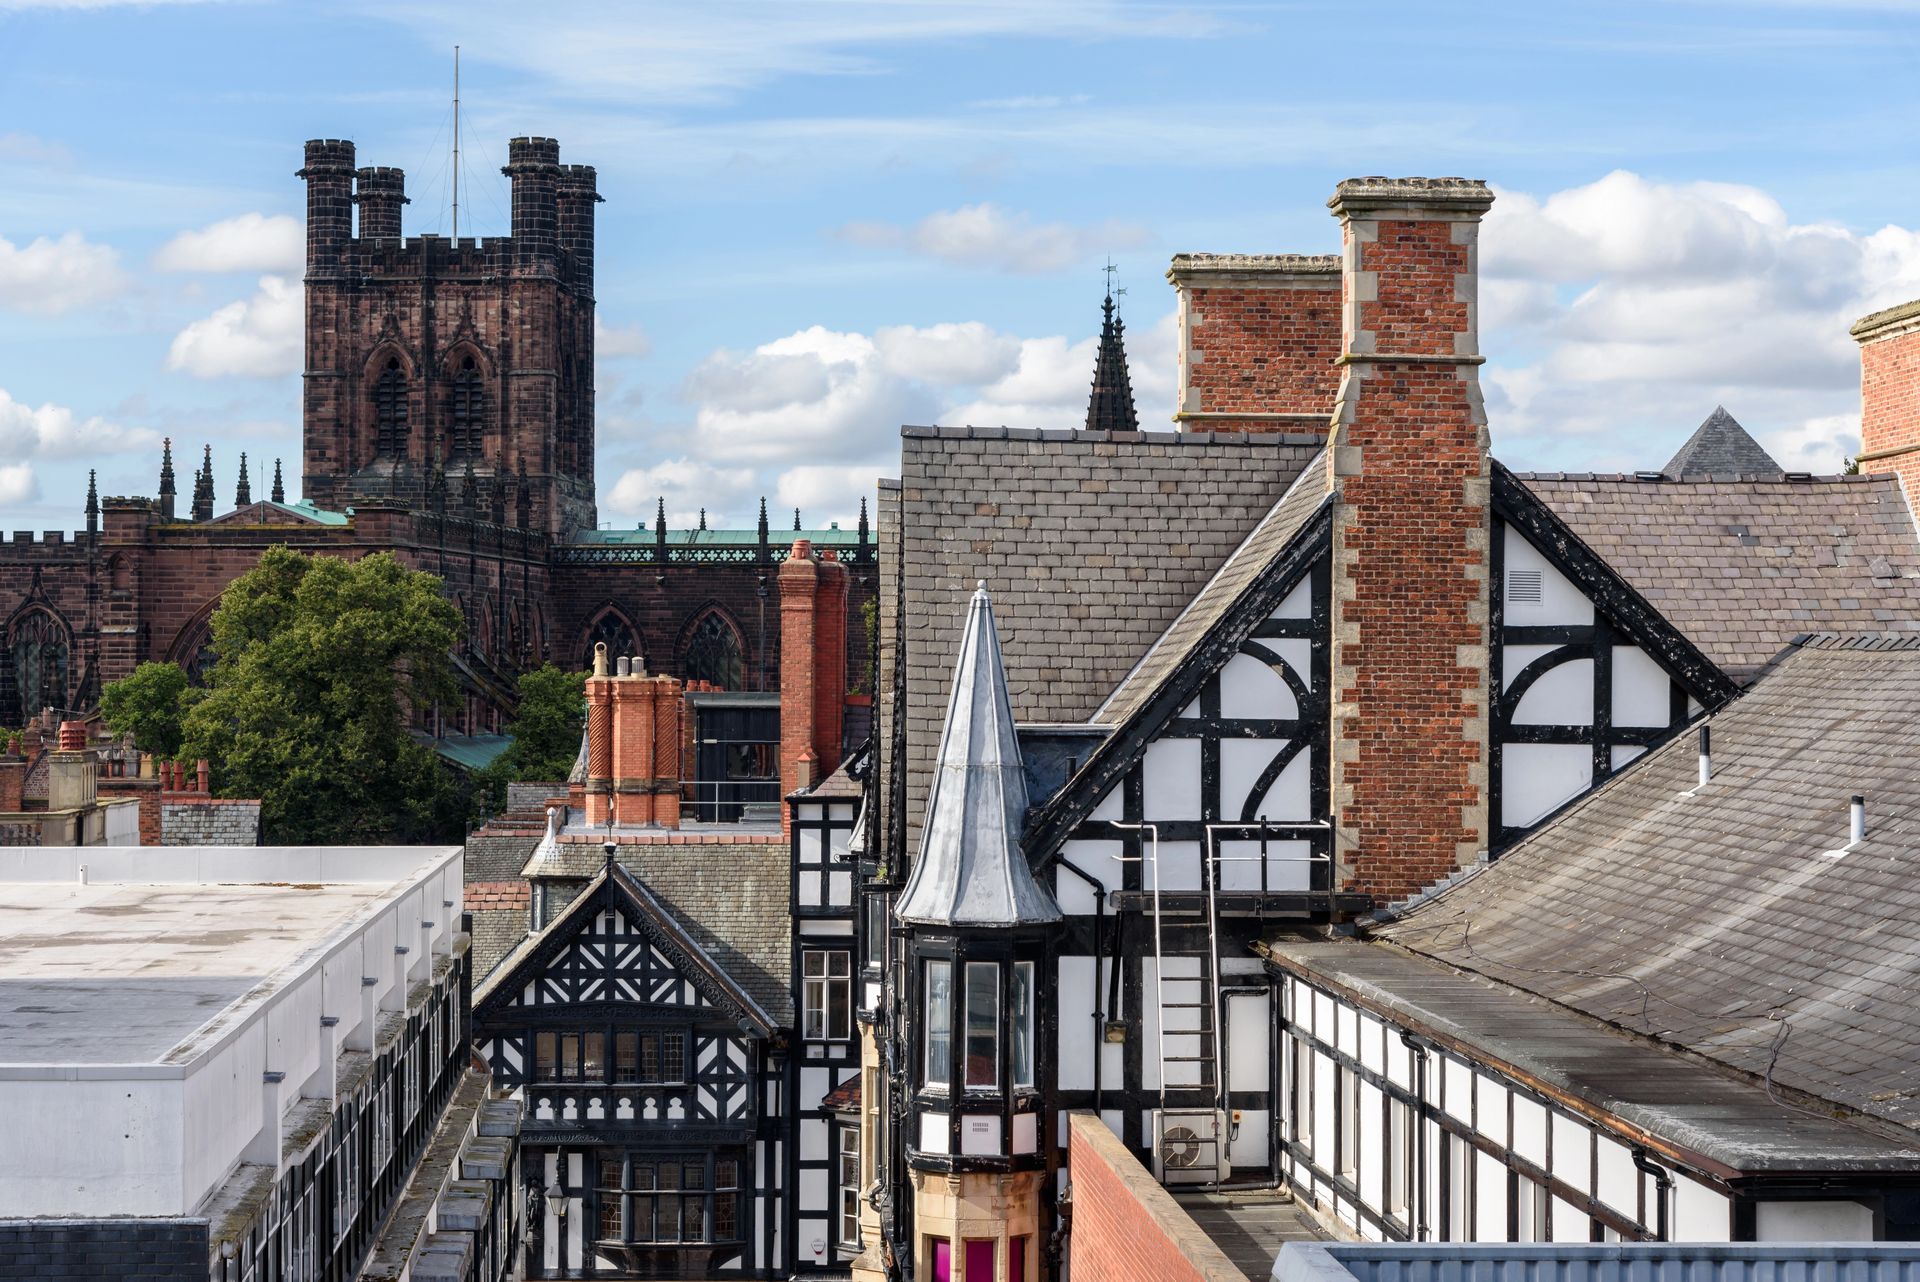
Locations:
column 320, row 660
column 150, row 703
column 546, row 733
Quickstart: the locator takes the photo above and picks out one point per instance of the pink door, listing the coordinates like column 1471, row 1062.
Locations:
column 942, row 1260
column 980, row 1260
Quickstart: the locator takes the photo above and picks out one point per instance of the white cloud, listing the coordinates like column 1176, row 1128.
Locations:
column 816, row 415
column 248, row 243
column 258, row 337
column 988, row 236
column 18, row 483
column 1031, row 102
column 623, row 51
column 56, row 275
column 1620, row 312
column 687, row 485
column 54, row 431
column 619, row 342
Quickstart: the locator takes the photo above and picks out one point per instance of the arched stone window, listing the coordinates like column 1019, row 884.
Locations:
column 390, row 410
column 467, row 409
column 41, row 649
column 715, row 652
column 610, row 628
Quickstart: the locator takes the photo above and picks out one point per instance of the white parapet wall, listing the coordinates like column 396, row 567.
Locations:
column 161, row 1011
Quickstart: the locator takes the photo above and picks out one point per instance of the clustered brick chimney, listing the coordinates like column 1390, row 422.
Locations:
column 1890, row 394
column 634, row 743
column 1259, row 341
column 1410, row 590
column 813, row 666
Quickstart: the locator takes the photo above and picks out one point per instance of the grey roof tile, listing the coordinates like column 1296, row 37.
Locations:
column 1728, row 562
column 1718, row 921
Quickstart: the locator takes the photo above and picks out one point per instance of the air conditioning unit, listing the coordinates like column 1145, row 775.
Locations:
column 1190, row 1146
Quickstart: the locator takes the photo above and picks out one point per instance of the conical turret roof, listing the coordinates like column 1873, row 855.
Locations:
column 1110, row 406
column 972, row 870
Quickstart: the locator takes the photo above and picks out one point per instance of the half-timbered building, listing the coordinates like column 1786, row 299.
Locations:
column 1313, row 658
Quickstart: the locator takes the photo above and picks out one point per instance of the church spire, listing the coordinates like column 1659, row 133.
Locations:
column 279, row 488
column 93, row 503
column 166, row 479
column 243, row 492
column 203, row 488
column 1110, row 407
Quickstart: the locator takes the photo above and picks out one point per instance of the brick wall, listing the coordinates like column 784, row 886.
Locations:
column 1126, row 1228
column 1890, row 394
column 1410, row 586
column 90, row 1250
column 1259, row 338
column 813, row 667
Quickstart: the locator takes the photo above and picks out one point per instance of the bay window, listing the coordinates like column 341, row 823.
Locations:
column 939, row 1043
column 983, row 1026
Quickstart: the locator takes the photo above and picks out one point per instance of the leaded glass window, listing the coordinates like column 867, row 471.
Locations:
column 41, row 657
column 714, row 653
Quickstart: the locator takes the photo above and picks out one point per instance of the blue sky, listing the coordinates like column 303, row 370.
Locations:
column 824, row 219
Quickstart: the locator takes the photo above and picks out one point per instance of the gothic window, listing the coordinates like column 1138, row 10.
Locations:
column 714, row 652
column 41, row 653
column 467, row 409
column 611, row 629
column 390, row 410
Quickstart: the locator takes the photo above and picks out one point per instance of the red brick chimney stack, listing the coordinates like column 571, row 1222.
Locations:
column 1259, row 341
column 634, row 743
column 1411, row 526
column 599, row 785
column 13, row 777
column 813, row 665
column 1890, row 394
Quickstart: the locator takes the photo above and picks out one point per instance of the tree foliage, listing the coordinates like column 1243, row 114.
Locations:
column 150, row 703
column 546, row 732
column 320, row 661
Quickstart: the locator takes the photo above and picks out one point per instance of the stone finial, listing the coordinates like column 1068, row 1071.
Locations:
column 243, row 492
column 279, row 494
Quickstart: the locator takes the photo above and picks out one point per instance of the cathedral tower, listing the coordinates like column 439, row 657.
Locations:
column 467, row 354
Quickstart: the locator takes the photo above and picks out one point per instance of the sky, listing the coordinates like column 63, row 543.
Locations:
column 826, row 218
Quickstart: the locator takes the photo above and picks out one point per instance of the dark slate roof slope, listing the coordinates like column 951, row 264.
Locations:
column 1267, row 540
column 1720, row 921
column 1721, row 447
column 1684, row 1105
column 1091, row 542
column 1742, row 566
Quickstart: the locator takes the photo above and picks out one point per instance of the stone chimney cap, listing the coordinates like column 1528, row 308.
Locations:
column 1889, row 322
column 1464, row 195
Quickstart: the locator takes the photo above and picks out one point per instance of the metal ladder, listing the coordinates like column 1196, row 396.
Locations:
column 1191, row 1001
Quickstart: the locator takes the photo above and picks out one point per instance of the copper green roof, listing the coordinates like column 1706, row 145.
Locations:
column 832, row 536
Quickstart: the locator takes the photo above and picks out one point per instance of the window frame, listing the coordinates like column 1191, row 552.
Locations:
column 826, row 995
column 988, row 1029
column 936, row 1039
column 847, row 1172
column 1021, row 996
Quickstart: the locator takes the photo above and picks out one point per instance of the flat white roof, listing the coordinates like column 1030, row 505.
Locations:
column 163, row 948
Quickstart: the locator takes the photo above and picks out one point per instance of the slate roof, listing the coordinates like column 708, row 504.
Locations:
column 1710, row 1115
column 1743, row 566
column 1091, row 542
column 1721, row 447
column 1266, row 541
column 1718, row 921
column 970, row 870
column 495, row 932
column 732, row 898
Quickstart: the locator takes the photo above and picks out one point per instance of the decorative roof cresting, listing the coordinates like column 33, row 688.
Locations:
column 971, row 870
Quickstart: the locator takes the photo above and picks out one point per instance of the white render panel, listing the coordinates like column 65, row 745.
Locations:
column 1624, row 753
column 1618, row 1183
column 1459, row 1089
column 1700, row 1214
column 1490, row 1108
column 1836, row 1221
column 1640, row 689
column 1250, row 688
column 1113, row 805
column 1371, row 1170
column 1298, row 603
column 1530, row 1130
column 1490, row 1198
column 1077, row 1003
column 1241, row 764
column 1099, row 860
column 1572, row 1154
column 1515, row 658
column 1171, row 774
column 980, row 1136
column 1561, row 602
column 1562, row 696
column 933, row 1133
column 1537, row 777
column 1248, row 1027
column 1248, row 1148
column 1026, row 1132
column 813, row 1192
column 1178, row 865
